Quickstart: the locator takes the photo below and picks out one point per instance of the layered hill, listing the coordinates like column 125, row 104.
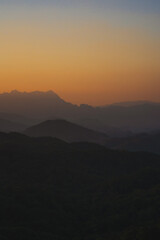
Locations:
column 66, row 131
column 10, row 126
column 51, row 189
column 115, row 119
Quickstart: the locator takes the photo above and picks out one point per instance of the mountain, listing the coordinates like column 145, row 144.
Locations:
column 10, row 126
column 32, row 104
column 19, row 118
column 138, row 118
column 140, row 142
column 101, row 126
column 71, row 132
column 66, row 131
column 51, row 189
column 134, row 103
column 115, row 119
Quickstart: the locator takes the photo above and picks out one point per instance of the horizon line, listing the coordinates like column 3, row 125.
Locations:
column 140, row 101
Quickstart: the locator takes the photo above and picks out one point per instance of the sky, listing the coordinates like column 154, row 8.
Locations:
column 93, row 51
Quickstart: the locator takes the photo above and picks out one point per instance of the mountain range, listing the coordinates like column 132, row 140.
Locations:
column 86, row 173
column 70, row 132
column 116, row 120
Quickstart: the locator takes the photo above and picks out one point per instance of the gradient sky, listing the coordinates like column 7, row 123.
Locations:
column 92, row 51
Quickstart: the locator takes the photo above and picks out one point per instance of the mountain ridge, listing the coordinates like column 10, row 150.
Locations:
column 48, row 105
column 66, row 131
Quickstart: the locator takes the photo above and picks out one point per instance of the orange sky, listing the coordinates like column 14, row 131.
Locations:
column 84, row 56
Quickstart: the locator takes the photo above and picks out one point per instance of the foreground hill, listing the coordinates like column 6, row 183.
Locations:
column 66, row 131
column 54, row 190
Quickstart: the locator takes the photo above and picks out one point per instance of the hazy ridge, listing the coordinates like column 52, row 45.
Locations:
column 117, row 119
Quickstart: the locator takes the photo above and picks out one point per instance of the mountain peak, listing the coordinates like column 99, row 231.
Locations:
column 16, row 92
column 65, row 130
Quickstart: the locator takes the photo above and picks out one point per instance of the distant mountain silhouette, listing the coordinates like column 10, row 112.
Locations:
column 66, row 131
column 9, row 126
column 115, row 119
column 33, row 104
column 21, row 119
column 101, row 126
column 134, row 103
column 140, row 117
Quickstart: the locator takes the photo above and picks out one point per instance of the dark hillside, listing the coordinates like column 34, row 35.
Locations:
column 51, row 189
